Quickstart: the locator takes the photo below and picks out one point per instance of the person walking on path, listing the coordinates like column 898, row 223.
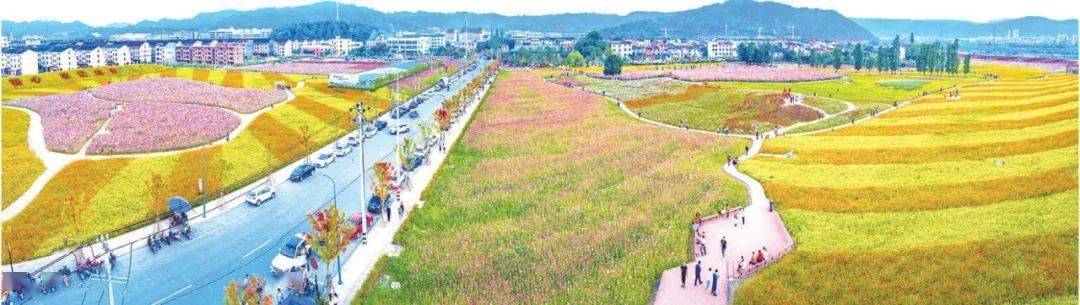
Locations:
column 697, row 273
column 723, row 246
column 682, row 272
column 708, row 283
column 715, row 282
column 388, row 213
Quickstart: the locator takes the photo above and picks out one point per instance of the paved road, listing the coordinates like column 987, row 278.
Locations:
column 241, row 241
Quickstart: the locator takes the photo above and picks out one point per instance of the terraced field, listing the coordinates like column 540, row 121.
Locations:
column 528, row 209
column 967, row 201
column 111, row 194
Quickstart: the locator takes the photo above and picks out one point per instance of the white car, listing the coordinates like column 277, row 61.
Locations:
column 342, row 150
column 260, row 195
column 292, row 256
column 399, row 128
column 370, row 131
column 324, row 160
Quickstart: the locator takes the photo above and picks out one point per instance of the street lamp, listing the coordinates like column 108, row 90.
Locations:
column 333, row 189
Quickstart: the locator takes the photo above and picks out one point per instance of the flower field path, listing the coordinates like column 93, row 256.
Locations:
column 763, row 229
column 55, row 161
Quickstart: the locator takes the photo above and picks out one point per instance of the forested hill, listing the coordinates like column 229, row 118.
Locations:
column 745, row 18
column 1028, row 26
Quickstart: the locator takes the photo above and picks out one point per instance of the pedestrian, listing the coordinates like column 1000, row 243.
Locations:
column 715, row 282
column 723, row 246
column 388, row 213
column 682, row 272
column 280, row 295
column 697, row 273
column 744, row 219
column 702, row 246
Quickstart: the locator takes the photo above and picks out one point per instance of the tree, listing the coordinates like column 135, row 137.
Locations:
column 592, row 46
column 405, row 152
column 156, row 188
column 894, row 59
column 329, row 237
column 384, row 180
column 911, row 38
column 575, row 59
column 613, row 65
column 250, row 295
column 952, row 59
column 838, row 58
column 857, row 56
column 967, row 63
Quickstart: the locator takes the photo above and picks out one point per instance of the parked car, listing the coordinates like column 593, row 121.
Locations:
column 376, row 205
column 324, row 160
column 352, row 141
column 342, row 150
column 302, row 172
column 397, row 112
column 370, row 131
column 292, row 256
column 380, row 124
column 414, row 163
column 413, row 114
column 399, row 128
column 421, row 151
column 260, row 195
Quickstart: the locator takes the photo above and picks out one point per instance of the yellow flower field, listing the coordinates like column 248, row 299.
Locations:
column 914, row 207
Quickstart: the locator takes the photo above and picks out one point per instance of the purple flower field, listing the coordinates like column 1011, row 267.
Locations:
column 175, row 90
column 69, row 119
column 149, row 127
column 320, row 67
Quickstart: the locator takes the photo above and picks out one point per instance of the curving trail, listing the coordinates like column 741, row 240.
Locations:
column 763, row 229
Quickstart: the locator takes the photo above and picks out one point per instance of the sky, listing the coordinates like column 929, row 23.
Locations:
column 104, row 12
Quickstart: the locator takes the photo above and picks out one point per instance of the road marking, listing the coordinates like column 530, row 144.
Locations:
column 257, row 248
column 163, row 300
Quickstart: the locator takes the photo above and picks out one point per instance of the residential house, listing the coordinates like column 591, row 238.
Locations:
column 19, row 61
column 141, row 51
column 89, row 54
column 56, row 58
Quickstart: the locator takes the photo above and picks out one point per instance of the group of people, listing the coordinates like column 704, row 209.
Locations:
column 757, row 258
column 711, row 281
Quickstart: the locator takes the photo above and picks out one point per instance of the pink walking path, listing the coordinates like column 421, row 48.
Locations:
column 763, row 228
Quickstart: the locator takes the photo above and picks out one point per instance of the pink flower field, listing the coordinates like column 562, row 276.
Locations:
column 69, row 119
column 175, row 90
column 149, row 127
column 320, row 67
column 734, row 73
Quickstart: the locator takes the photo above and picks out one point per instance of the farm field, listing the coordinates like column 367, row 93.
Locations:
column 971, row 200
column 114, row 194
column 529, row 209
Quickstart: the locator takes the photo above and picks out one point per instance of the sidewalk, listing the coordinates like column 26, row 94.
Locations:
column 358, row 266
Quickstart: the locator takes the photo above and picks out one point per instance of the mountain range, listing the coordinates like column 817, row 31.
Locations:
column 1028, row 26
column 745, row 18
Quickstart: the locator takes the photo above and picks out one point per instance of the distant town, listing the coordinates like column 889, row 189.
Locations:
column 34, row 54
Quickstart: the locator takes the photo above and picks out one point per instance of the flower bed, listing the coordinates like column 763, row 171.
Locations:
column 320, row 67
column 177, row 90
column 734, row 72
column 148, row 127
column 69, row 119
